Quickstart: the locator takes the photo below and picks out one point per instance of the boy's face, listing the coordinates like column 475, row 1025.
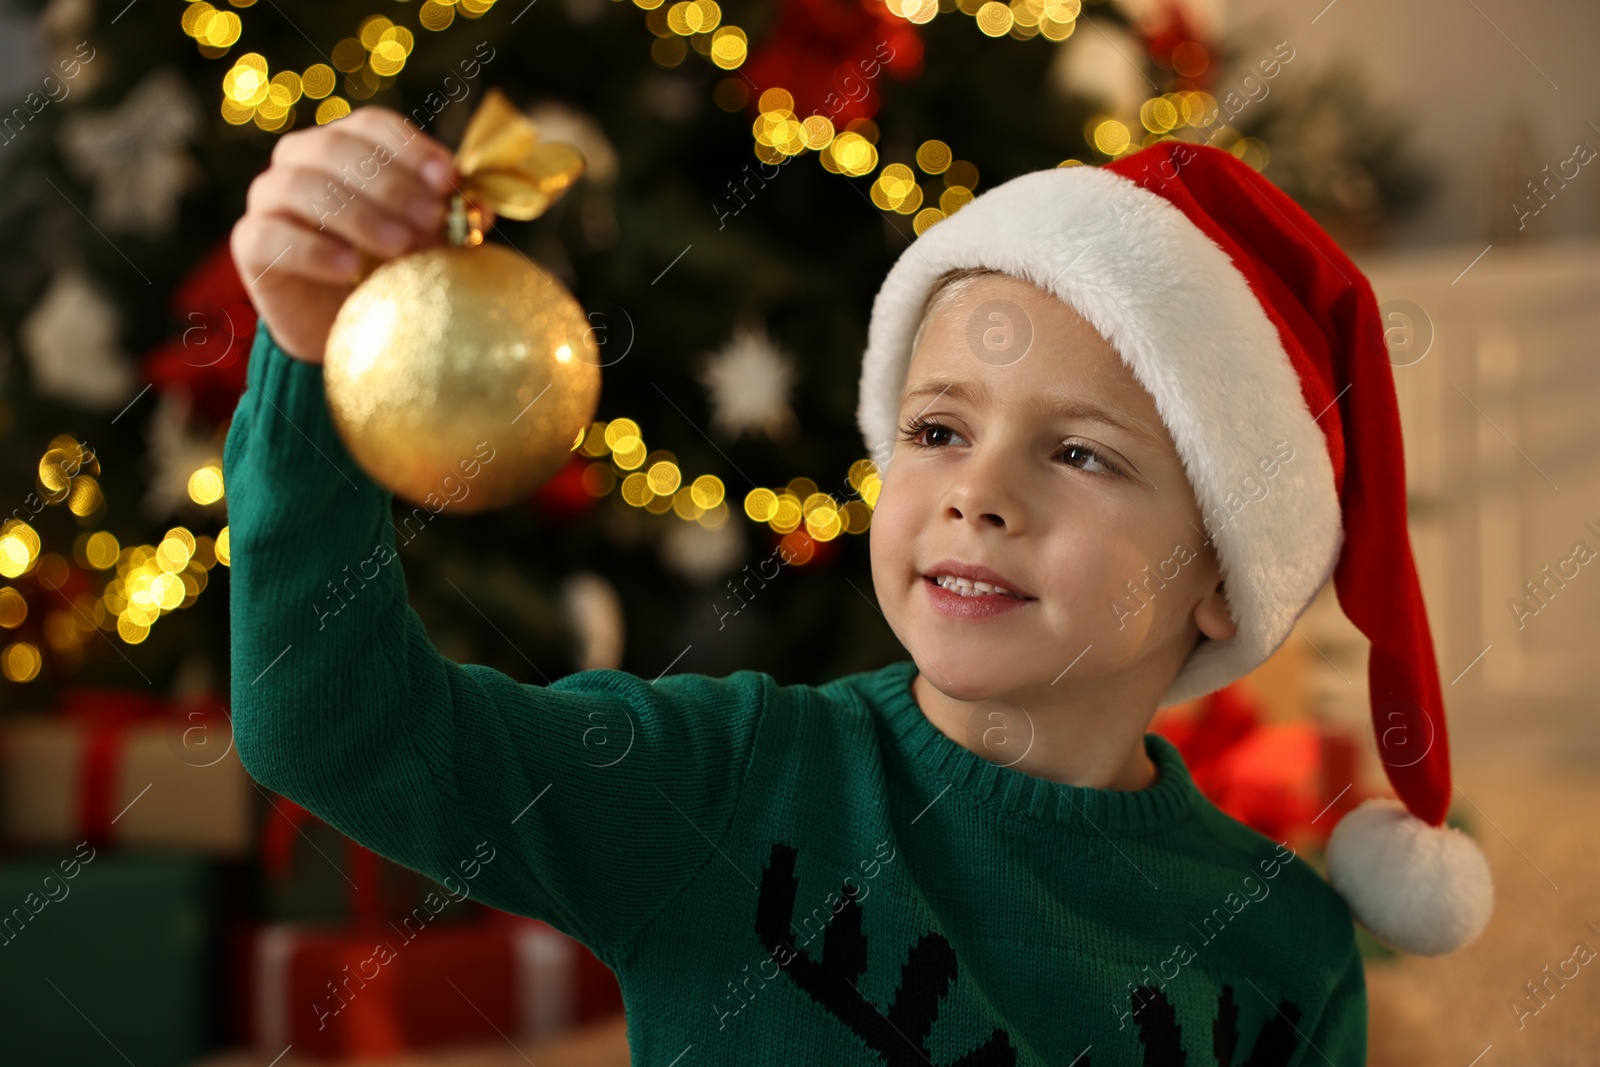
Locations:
column 1067, row 508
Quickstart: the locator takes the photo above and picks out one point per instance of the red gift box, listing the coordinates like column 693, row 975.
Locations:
column 378, row 986
column 122, row 768
column 1292, row 780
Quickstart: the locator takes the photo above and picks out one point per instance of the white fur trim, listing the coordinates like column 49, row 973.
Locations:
column 1186, row 322
column 1420, row 888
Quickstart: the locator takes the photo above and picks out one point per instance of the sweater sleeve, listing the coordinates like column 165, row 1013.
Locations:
column 1341, row 1032
column 589, row 802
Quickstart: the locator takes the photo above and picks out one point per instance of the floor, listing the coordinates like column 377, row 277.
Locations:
column 600, row 1045
column 1535, row 791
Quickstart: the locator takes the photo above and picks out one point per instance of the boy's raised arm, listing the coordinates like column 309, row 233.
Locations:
column 600, row 795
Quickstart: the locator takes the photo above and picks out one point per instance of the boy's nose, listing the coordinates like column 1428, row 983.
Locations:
column 977, row 494
column 993, row 518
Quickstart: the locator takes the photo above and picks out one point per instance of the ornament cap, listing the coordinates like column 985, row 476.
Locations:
column 465, row 224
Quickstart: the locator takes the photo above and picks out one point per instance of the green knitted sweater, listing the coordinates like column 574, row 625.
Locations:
column 776, row 873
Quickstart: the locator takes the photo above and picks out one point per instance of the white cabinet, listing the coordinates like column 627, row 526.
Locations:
column 1501, row 419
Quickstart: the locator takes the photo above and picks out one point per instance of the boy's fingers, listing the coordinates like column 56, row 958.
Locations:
column 283, row 247
column 302, row 193
column 368, row 157
column 351, row 170
column 424, row 156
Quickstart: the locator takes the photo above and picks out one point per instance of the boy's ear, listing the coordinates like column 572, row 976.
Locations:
column 1212, row 616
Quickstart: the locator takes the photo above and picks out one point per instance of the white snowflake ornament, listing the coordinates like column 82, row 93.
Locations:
column 174, row 455
column 70, row 338
column 558, row 121
column 135, row 154
column 594, row 609
column 749, row 381
column 699, row 554
column 1101, row 62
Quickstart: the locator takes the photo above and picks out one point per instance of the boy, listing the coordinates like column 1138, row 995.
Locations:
column 977, row 856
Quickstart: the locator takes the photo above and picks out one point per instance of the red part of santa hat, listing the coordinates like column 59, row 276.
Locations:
column 1330, row 330
column 1263, row 349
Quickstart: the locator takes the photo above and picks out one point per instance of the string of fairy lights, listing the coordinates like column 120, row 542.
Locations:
column 147, row 581
column 376, row 53
column 651, row 480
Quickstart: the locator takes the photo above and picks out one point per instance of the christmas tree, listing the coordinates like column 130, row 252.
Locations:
column 751, row 174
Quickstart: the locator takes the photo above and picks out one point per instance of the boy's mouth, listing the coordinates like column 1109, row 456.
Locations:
column 967, row 587
column 972, row 599
column 973, row 580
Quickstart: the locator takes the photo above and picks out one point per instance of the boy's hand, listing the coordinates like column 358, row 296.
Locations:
column 370, row 182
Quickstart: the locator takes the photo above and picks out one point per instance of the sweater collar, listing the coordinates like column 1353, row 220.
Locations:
column 1025, row 798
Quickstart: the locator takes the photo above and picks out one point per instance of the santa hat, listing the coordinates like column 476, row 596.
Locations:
column 1253, row 333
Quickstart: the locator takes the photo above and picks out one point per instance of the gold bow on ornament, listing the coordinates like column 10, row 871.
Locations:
column 505, row 167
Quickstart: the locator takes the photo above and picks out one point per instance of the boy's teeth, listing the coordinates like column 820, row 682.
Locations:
column 971, row 588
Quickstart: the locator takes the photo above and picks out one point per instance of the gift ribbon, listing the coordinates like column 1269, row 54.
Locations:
column 277, row 859
column 106, row 715
column 374, row 1023
column 504, row 165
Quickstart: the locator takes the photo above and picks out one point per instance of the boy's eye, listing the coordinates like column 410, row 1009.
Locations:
column 1092, row 457
column 920, row 430
column 924, row 434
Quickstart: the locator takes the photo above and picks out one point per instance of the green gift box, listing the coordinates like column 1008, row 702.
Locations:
column 107, row 957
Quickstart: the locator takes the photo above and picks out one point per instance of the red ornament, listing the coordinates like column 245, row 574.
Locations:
column 563, row 496
column 801, row 549
column 209, row 357
column 1169, row 30
column 831, row 56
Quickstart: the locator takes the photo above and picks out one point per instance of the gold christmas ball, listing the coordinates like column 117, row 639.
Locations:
column 460, row 377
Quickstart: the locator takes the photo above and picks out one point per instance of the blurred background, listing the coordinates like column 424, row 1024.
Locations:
column 751, row 172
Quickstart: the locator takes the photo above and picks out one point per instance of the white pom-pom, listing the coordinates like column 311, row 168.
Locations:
column 1418, row 888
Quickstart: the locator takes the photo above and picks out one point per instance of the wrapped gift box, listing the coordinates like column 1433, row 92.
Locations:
column 390, row 981
column 121, row 768
column 365, row 990
column 1289, row 780
column 316, row 888
column 107, row 957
